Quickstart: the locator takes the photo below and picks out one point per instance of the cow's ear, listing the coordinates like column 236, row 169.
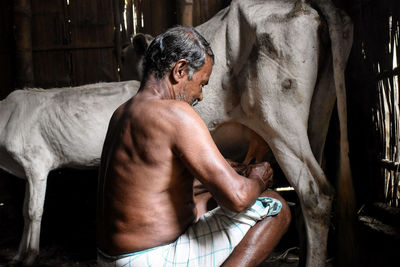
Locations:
column 141, row 42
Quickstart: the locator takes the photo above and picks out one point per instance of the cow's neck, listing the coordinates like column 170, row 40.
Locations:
column 221, row 97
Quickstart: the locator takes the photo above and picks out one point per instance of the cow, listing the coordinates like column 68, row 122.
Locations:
column 132, row 57
column 42, row 130
column 272, row 74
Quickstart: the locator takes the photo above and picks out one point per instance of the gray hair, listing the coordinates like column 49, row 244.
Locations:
column 180, row 42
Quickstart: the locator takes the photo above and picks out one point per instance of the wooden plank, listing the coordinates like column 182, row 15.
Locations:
column 51, row 67
column 92, row 23
column 159, row 15
column 48, row 15
column 94, row 65
column 23, row 43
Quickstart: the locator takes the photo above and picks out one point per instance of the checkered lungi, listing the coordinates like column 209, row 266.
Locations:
column 208, row 242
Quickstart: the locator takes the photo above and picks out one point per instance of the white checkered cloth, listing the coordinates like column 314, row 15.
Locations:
column 208, row 242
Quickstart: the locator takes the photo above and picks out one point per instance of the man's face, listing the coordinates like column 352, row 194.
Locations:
column 192, row 91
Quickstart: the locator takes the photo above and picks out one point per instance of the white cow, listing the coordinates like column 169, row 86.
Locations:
column 271, row 74
column 272, row 79
column 42, row 130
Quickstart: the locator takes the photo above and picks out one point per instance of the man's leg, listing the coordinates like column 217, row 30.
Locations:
column 261, row 239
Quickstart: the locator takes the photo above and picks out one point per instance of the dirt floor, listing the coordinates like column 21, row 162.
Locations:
column 68, row 226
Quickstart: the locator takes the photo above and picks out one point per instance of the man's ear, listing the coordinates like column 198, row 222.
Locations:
column 179, row 71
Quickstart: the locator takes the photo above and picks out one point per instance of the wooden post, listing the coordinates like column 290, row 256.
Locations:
column 23, row 43
column 185, row 12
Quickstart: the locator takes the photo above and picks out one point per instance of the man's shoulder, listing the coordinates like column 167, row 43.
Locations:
column 183, row 113
column 164, row 113
column 168, row 109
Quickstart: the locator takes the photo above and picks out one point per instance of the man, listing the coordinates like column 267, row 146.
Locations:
column 156, row 144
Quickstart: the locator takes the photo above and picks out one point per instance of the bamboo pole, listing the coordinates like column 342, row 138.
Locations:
column 23, row 43
column 138, row 11
column 129, row 18
column 123, row 32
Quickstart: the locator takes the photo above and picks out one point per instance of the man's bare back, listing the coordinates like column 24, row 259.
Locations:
column 148, row 199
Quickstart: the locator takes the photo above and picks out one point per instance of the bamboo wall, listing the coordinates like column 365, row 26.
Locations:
column 57, row 43
column 373, row 91
column 159, row 15
column 78, row 45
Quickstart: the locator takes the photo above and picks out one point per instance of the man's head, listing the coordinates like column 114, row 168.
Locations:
column 181, row 42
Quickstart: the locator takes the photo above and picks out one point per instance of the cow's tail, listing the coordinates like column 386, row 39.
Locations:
column 341, row 28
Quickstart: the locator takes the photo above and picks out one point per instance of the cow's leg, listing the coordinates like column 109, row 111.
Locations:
column 291, row 148
column 23, row 244
column 314, row 191
column 33, row 209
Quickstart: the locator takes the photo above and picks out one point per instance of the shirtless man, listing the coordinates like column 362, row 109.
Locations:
column 155, row 145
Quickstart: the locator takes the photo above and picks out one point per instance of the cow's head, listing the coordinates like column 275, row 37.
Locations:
column 132, row 57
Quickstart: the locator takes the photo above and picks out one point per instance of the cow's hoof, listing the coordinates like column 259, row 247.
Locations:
column 30, row 260
column 15, row 262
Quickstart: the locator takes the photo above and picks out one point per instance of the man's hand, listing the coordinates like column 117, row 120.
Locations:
column 262, row 171
column 240, row 168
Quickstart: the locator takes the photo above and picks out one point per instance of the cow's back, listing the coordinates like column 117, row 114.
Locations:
column 68, row 125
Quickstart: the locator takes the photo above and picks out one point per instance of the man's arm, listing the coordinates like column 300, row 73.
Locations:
column 196, row 148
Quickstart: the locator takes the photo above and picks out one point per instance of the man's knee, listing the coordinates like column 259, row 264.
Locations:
column 284, row 216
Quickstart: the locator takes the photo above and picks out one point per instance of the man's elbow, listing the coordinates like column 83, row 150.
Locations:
column 239, row 202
